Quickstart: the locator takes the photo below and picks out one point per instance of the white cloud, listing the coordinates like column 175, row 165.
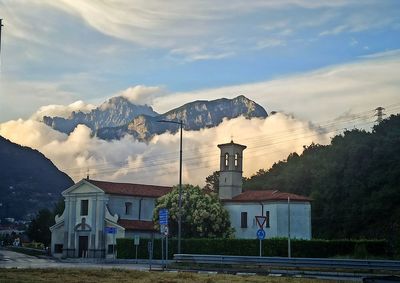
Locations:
column 268, row 141
column 178, row 24
column 61, row 110
column 269, row 42
column 141, row 94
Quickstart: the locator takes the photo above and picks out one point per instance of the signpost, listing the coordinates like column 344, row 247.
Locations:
column 113, row 231
column 136, row 240
column 163, row 220
column 261, row 220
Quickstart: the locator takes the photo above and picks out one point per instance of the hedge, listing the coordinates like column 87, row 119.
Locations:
column 270, row 247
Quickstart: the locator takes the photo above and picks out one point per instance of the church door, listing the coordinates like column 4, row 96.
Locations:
column 83, row 245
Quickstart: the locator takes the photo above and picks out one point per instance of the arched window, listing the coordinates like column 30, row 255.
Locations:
column 226, row 160
column 236, row 159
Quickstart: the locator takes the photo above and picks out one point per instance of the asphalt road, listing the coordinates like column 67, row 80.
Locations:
column 10, row 259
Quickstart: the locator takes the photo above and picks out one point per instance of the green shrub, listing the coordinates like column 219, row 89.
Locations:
column 248, row 247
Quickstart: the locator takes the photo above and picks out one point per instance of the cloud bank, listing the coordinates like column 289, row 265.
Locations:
column 267, row 141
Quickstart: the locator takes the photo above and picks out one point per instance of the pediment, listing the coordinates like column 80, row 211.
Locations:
column 82, row 187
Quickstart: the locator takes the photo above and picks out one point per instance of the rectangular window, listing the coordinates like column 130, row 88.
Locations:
column 128, row 208
column 58, row 248
column 243, row 220
column 267, row 220
column 84, row 207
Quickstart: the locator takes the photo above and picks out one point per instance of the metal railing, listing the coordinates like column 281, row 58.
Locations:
column 322, row 263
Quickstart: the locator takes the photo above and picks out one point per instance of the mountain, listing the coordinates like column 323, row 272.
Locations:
column 29, row 181
column 354, row 183
column 115, row 112
column 195, row 116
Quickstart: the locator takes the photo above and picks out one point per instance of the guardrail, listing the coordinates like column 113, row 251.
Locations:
column 322, row 263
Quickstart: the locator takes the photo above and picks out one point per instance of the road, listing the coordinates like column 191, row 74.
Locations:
column 10, row 259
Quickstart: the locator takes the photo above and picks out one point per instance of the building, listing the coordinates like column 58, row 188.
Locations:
column 97, row 212
column 243, row 207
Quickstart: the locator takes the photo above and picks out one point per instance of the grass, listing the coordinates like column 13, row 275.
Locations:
column 120, row 276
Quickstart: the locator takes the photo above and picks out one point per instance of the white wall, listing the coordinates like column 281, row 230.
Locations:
column 278, row 211
column 116, row 205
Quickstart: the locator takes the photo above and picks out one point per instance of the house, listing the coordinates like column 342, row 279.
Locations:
column 243, row 207
column 98, row 212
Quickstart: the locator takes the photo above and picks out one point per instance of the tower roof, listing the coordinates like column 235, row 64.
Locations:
column 232, row 143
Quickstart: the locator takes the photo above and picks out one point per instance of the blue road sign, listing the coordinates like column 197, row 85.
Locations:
column 260, row 234
column 163, row 216
column 111, row 230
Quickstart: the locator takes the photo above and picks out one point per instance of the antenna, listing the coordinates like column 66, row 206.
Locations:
column 87, row 174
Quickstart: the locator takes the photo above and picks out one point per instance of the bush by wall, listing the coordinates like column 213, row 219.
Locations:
column 270, row 247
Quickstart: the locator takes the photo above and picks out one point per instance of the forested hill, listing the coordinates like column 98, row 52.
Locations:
column 29, row 181
column 354, row 181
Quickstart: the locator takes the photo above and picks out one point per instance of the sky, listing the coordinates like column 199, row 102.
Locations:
column 319, row 63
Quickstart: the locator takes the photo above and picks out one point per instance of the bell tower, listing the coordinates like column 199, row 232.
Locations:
column 231, row 169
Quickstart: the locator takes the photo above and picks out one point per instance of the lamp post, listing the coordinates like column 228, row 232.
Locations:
column 180, row 123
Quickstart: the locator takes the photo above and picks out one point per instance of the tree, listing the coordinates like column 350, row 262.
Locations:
column 354, row 182
column 212, row 183
column 38, row 229
column 203, row 215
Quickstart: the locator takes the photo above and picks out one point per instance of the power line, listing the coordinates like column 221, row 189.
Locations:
column 275, row 136
column 212, row 162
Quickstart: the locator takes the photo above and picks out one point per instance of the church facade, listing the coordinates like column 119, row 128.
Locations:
column 97, row 212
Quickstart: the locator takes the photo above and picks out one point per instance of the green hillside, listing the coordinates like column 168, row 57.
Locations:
column 354, row 182
column 29, row 181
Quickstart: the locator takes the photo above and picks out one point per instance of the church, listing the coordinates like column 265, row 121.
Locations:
column 284, row 213
column 98, row 212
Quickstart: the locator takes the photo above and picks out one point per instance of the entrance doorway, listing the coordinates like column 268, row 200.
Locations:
column 83, row 245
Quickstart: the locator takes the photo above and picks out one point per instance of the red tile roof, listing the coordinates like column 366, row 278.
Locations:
column 136, row 224
column 266, row 195
column 131, row 189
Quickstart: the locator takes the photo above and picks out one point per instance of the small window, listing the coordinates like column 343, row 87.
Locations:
column 226, row 160
column 128, row 208
column 84, row 207
column 111, row 249
column 243, row 220
column 236, row 159
column 267, row 220
column 58, row 248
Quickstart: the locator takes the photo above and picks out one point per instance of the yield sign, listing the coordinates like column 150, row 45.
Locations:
column 261, row 220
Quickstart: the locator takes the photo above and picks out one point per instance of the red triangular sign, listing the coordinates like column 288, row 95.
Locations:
column 261, row 220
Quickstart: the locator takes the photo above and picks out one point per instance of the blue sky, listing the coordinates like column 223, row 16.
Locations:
column 325, row 65
column 57, row 52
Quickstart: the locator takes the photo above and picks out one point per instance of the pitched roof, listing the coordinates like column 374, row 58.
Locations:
column 131, row 189
column 136, row 224
column 266, row 195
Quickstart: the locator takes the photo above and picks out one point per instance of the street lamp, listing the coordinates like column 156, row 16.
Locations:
column 180, row 123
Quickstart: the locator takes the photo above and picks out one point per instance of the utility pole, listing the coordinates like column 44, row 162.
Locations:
column 289, row 247
column 1, row 26
column 379, row 114
column 180, row 123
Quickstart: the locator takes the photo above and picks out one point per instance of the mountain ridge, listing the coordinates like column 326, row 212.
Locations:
column 114, row 112
column 195, row 115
